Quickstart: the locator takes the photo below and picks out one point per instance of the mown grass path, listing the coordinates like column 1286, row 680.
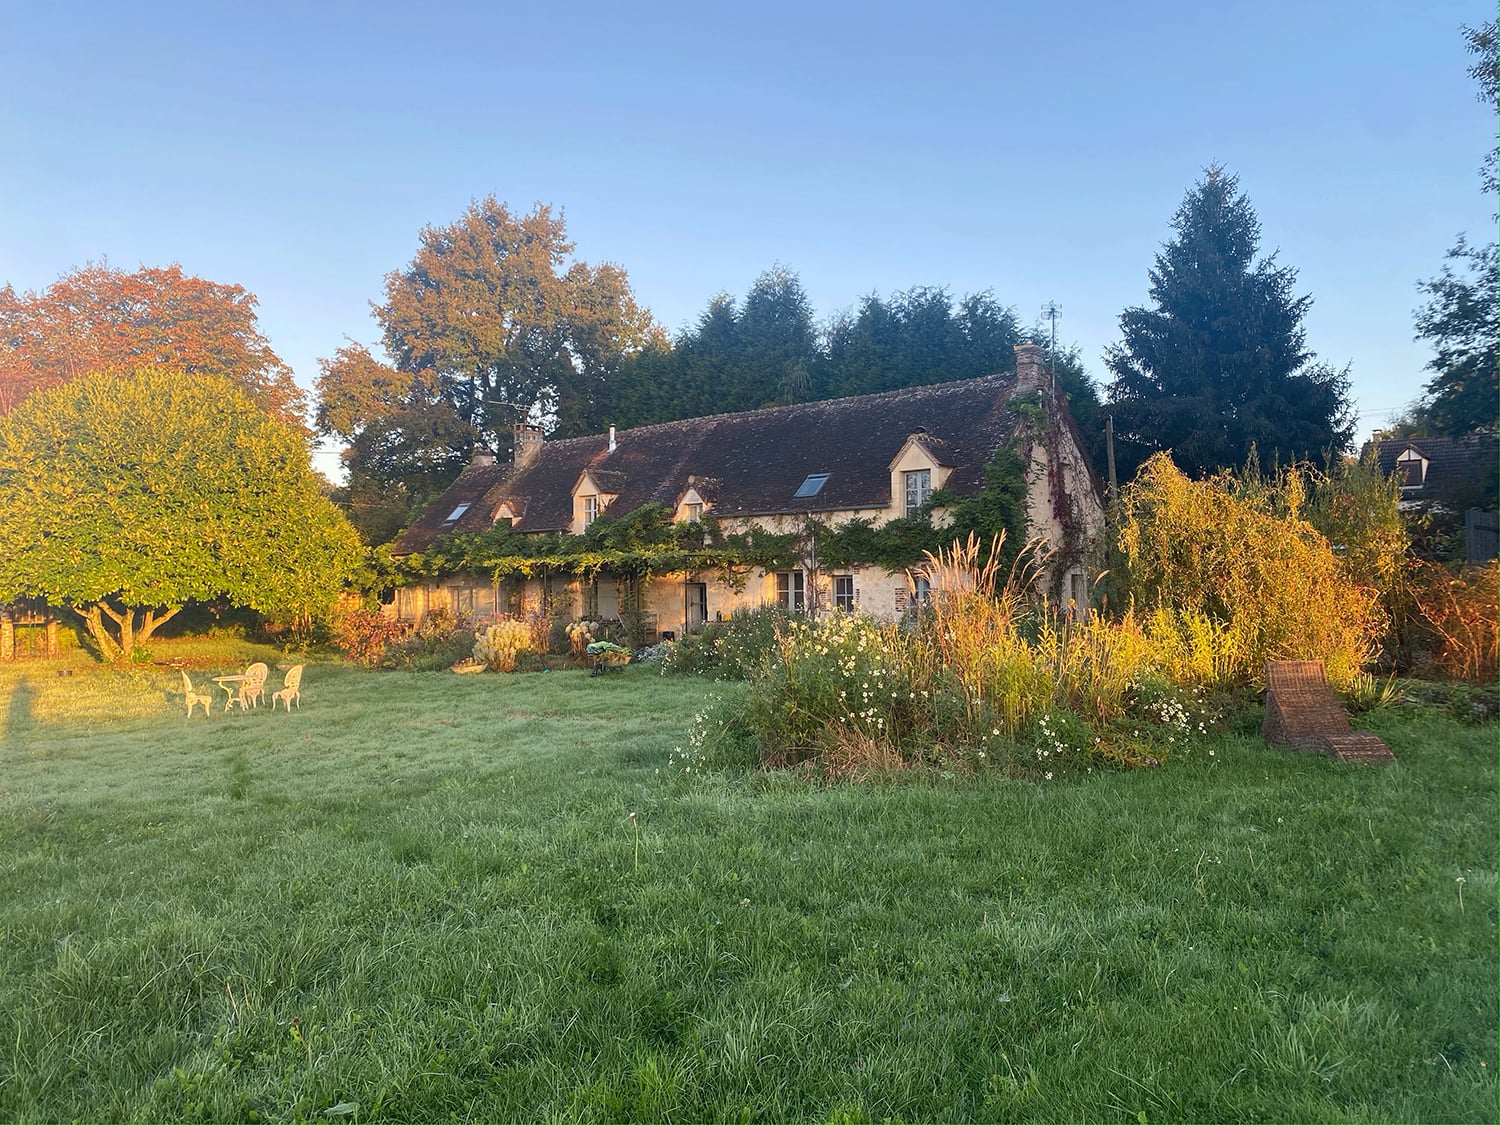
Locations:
column 422, row 897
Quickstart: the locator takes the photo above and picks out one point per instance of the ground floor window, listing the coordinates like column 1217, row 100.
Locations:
column 601, row 600
column 791, row 590
column 476, row 601
column 843, row 592
column 408, row 603
column 921, row 591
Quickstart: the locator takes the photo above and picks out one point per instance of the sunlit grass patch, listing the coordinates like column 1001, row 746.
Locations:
column 423, row 897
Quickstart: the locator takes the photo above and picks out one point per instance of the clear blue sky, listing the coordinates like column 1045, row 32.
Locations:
column 1037, row 150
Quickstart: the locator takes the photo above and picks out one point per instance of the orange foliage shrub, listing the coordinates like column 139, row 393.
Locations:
column 1462, row 611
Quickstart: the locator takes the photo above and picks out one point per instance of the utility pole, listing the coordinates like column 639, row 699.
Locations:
column 1109, row 452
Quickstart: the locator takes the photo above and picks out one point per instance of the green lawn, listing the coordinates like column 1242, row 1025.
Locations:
column 422, row 897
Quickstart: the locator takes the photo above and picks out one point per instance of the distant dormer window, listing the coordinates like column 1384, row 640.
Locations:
column 1411, row 468
column 693, row 513
column 811, row 486
column 453, row 515
column 918, row 488
column 590, row 510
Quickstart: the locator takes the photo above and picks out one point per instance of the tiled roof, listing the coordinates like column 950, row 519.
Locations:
column 1452, row 462
column 752, row 462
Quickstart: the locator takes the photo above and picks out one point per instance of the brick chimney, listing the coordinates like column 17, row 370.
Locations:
column 1031, row 367
column 528, row 444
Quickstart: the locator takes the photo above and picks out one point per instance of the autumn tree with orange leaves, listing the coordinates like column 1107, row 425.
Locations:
column 98, row 318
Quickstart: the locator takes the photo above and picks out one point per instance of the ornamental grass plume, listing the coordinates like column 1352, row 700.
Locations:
column 977, row 624
column 498, row 646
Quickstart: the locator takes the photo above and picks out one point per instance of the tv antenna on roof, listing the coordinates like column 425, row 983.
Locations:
column 1051, row 310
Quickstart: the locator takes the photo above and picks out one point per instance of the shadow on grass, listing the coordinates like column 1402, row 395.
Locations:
column 18, row 713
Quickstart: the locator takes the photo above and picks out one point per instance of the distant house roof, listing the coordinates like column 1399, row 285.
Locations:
column 749, row 463
column 1439, row 465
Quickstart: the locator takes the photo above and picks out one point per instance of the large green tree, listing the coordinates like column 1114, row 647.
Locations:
column 767, row 351
column 739, row 356
column 1219, row 363
column 914, row 338
column 404, row 442
column 1459, row 318
column 125, row 494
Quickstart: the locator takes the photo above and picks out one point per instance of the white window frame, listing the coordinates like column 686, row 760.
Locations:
column 845, row 596
column 791, row 590
column 1408, row 458
column 590, row 508
column 918, row 486
column 693, row 513
column 921, row 592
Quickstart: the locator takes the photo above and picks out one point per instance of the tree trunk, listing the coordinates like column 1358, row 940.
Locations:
column 154, row 620
column 93, row 618
column 119, row 651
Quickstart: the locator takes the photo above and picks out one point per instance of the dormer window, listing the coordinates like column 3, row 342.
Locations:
column 811, row 486
column 505, row 513
column 1411, row 467
column 590, row 510
column 918, row 488
column 693, row 513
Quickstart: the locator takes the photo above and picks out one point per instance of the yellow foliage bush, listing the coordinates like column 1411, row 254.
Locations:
column 1233, row 580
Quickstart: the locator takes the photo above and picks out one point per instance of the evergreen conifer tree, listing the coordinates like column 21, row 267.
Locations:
column 1220, row 363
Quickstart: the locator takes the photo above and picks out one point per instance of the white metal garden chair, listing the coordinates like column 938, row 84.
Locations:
column 291, row 689
column 192, row 697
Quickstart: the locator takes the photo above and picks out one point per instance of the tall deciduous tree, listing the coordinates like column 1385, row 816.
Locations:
column 1459, row 318
column 125, row 494
column 404, row 441
column 1219, row 363
column 97, row 317
column 487, row 306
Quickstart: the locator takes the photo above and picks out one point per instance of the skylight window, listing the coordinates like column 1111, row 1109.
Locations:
column 458, row 511
column 811, row 486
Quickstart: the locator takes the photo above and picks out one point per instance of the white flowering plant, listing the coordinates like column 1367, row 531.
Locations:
column 719, row 738
column 833, row 685
column 1163, row 719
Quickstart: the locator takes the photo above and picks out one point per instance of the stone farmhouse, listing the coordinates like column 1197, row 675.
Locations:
column 872, row 457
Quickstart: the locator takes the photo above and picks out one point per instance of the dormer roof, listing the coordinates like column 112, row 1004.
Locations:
column 938, row 451
column 1449, row 462
column 605, row 480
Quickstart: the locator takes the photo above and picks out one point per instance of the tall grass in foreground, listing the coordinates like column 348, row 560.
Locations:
column 989, row 674
column 423, row 897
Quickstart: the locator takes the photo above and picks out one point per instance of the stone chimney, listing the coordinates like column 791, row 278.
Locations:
column 1031, row 367
column 528, row 444
column 481, row 458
